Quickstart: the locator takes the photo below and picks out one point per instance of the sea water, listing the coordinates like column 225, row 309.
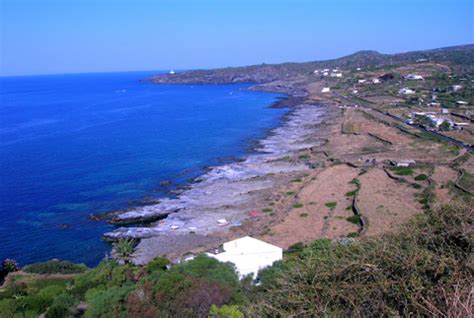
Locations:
column 72, row 145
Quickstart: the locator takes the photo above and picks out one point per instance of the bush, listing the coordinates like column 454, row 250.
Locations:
column 157, row 264
column 297, row 205
column 9, row 266
column 421, row 177
column 56, row 311
column 56, row 267
column 331, row 205
column 354, row 219
column 225, row 312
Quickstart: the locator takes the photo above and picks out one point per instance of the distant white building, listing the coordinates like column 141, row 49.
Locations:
column 444, row 111
column 336, row 74
column 325, row 90
column 414, row 77
column 249, row 255
column 406, row 163
column 461, row 102
column 456, row 88
column 376, row 81
column 361, row 81
column 172, row 72
column 406, row 91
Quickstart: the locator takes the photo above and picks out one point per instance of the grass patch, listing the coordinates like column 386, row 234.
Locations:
column 303, row 157
column 331, row 205
column 421, row 177
column 354, row 219
column 290, row 193
column 267, row 210
column 297, row 205
column 351, row 193
column 402, row 171
column 296, row 180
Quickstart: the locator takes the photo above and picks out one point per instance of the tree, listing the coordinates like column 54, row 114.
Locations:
column 445, row 126
column 124, row 249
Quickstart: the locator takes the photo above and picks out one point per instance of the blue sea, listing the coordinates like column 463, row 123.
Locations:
column 72, row 145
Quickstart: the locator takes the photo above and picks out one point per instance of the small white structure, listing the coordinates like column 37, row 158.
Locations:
column 325, row 73
column 456, row 88
column 406, row 91
column 325, row 90
column 375, row 81
column 444, row 111
column 361, row 81
column 172, row 72
column 406, row 163
column 414, row 77
column 336, row 74
column 249, row 255
column 461, row 102
column 355, row 91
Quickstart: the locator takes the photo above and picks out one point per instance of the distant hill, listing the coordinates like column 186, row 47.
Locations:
column 461, row 56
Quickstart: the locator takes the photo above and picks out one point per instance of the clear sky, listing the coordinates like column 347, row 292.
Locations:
column 73, row 36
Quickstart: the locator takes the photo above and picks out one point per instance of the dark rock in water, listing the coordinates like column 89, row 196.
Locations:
column 64, row 226
column 165, row 183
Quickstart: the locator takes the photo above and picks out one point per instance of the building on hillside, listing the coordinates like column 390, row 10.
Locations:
column 325, row 90
column 455, row 88
column 414, row 77
column 405, row 163
column 406, row 91
column 249, row 255
column 172, row 72
column 361, row 81
column 375, row 81
column 444, row 111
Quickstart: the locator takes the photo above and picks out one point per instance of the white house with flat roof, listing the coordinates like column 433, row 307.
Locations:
column 249, row 255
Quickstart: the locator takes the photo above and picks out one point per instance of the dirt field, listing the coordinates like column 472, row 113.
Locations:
column 386, row 203
column 310, row 218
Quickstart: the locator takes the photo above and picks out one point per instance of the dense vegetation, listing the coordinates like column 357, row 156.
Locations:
column 426, row 269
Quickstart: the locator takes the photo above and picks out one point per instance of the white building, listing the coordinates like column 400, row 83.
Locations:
column 444, row 111
column 414, row 77
column 406, row 91
column 361, row 81
column 456, row 88
column 375, row 81
column 249, row 255
column 172, row 72
column 325, row 90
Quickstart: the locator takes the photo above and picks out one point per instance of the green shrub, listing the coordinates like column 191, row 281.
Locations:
column 290, row 193
column 157, row 264
column 421, row 177
column 354, row 219
column 55, row 267
column 402, row 171
column 225, row 312
column 296, row 180
column 56, row 311
column 304, row 215
column 267, row 210
column 351, row 193
column 8, row 308
column 297, row 205
column 331, row 205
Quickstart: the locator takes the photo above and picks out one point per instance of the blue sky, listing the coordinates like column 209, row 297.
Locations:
column 74, row 36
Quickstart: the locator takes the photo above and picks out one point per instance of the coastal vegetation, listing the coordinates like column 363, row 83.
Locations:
column 425, row 269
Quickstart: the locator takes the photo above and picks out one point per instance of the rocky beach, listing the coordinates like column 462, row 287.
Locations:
column 227, row 196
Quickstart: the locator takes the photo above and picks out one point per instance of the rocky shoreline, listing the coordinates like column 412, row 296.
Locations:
column 225, row 196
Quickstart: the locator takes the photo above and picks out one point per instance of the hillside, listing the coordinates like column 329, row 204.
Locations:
column 265, row 73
